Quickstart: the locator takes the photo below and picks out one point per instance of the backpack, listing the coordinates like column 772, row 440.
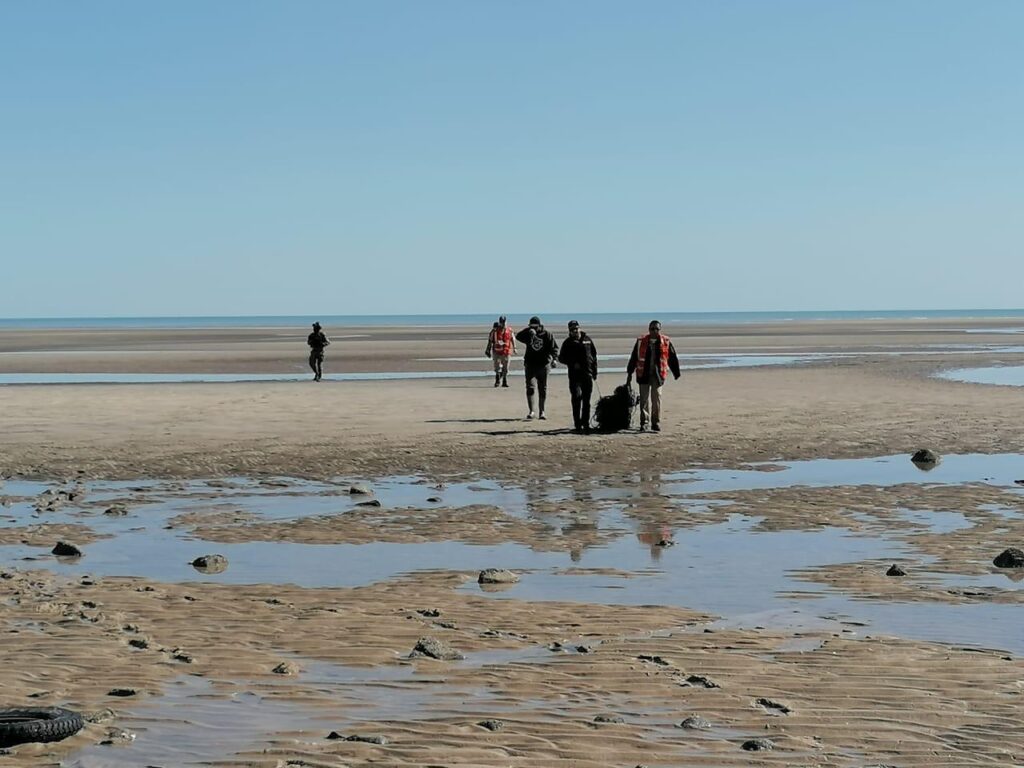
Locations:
column 614, row 412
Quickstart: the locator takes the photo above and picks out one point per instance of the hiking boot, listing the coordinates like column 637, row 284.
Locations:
column 504, row 383
column 529, row 415
column 496, row 383
column 655, row 427
column 543, row 417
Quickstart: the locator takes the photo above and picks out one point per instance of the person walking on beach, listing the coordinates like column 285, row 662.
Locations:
column 579, row 355
column 541, row 351
column 653, row 357
column 501, row 345
column 317, row 340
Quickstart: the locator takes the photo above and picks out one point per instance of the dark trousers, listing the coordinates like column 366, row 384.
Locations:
column 581, row 386
column 316, row 362
column 536, row 382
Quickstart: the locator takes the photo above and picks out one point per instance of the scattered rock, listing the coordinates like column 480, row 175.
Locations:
column 369, row 503
column 117, row 736
column 695, row 724
column 609, row 719
column 116, row 510
column 492, row 725
column 381, row 740
column 100, row 716
column 138, row 642
column 925, row 458
column 430, row 613
column 122, row 692
column 63, row 549
column 497, row 576
column 584, row 649
column 183, row 656
column 702, row 681
column 773, row 705
column 895, row 570
column 210, row 564
column 434, row 499
column 758, row 745
column 359, row 490
column 285, row 668
column 654, row 660
column 434, row 648
column 1009, row 558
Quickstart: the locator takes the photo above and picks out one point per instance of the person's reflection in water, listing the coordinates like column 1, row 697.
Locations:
column 654, row 535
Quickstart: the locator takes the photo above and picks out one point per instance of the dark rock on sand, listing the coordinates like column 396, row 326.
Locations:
column 1009, row 558
column 654, row 660
column 706, row 682
column 895, row 570
column 359, row 490
column 497, row 576
column 430, row 613
column 117, row 510
column 122, row 692
column 100, row 716
column 434, row 499
column 758, row 745
column 63, row 549
column 434, row 648
column 285, row 668
column 210, row 563
column 773, row 705
column 369, row 503
column 609, row 719
column 695, row 724
column 492, row 725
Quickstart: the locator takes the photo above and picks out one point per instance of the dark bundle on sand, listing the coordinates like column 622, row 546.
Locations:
column 615, row 411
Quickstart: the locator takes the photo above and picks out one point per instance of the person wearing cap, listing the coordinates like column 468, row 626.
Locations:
column 317, row 340
column 653, row 357
column 579, row 356
column 501, row 345
column 540, row 353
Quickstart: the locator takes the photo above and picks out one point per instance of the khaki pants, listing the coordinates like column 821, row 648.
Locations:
column 650, row 403
column 500, row 364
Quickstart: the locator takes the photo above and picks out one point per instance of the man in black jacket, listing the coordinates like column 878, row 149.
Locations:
column 541, row 351
column 579, row 356
column 316, row 341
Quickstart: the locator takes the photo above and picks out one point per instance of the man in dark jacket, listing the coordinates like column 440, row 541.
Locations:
column 579, row 356
column 653, row 357
column 541, row 351
column 317, row 340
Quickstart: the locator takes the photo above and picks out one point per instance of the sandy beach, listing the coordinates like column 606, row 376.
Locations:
column 731, row 569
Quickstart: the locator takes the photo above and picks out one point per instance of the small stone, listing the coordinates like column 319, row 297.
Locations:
column 654, row 660
column 434, row 648
column 702, row 681
column 758, row 745
column 179, row 655
column 285, row 668
column 434, row 499
column 695, row 723
column 1009, row 558
column 430, row 613
column 609, row 719
column 370, row 503
column 100, row 716
column 492, row 725
column 380, row 740
column 497, row 576
column 773, row 705
column 583, row 649
column 359, row 490
column 117, row 510
column 210, row 563
column 138, row 642
column 63, row 549
column 895, row 570
column 925, row 457
column 117, row 736
column 122, row 692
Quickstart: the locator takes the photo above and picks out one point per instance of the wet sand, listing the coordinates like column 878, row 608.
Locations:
column 650, row 589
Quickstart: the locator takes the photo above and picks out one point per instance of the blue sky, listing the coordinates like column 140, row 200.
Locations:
column 337, row 157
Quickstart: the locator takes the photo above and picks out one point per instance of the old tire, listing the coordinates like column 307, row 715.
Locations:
column 37, row 724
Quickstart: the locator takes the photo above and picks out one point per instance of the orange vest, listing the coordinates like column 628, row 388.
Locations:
column 501, row 341
column 641, row 356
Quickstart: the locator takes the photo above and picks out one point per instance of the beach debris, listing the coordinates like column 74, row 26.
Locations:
column 116, row 510
column 434, row 648
column 584, row 649
column 497, row 576
column 210, row 563
column 359, row 490
column 63, row 549
column 24, row 725
column 774, row 706
column 117, row 736
column 380, row 740
column 369, row 503
column 895, row 570
column 609, row 719
column 430, row 613
column 183, row 656
column 1009, row 558
column 654, row 660
column 701, row 680
column 122, row 692
column 758, row 745
column 695, row 723
column 434, row 499
column 925, row 458
column 286, row 668
column 139, row 642
column 492, row 725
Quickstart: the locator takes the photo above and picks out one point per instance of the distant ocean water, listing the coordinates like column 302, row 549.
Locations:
column 599, row 318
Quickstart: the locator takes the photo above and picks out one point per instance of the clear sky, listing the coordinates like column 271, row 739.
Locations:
column 249, row 157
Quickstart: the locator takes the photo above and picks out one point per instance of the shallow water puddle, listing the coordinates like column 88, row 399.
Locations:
column 1007, row 375
column 731, row 567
